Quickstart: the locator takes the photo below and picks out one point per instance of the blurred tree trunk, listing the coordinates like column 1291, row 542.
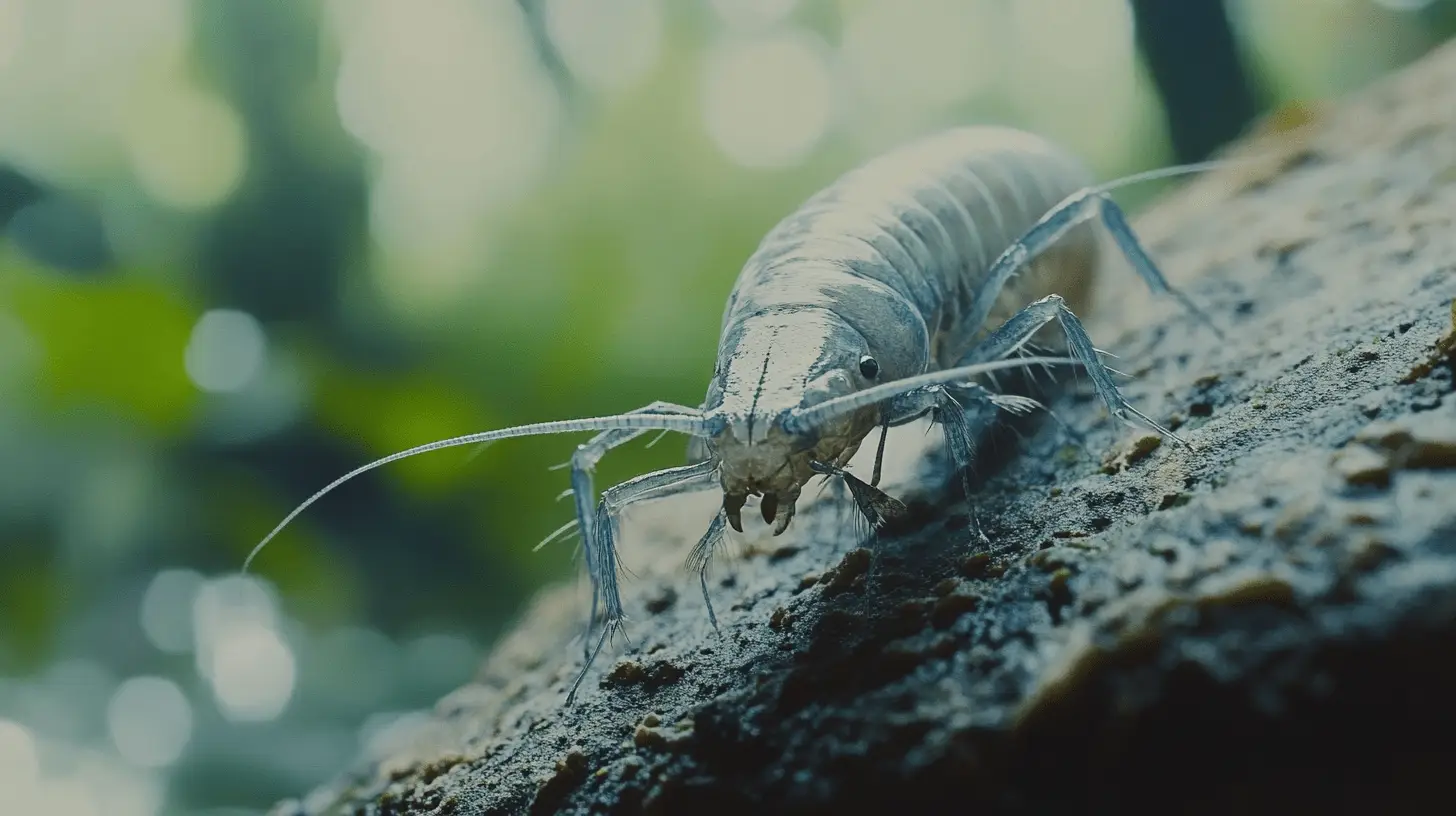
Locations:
column 1263, row 623
column 1190, row 50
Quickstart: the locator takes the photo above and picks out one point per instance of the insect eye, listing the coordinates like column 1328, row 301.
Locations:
column 869, row 367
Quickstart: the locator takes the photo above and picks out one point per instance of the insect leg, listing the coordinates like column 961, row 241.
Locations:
column 1076, row 209
column 877, row 506
column 1010, row 403
column 951, row 417
column 1021, row 326
column 702, row 555
column 880, row 454
column 1116, row 222
column 946, row 403
column 583, row 461
column 663, row 483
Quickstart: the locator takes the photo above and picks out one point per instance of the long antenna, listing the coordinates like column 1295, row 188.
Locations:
column 693, row 424
column 807, row 418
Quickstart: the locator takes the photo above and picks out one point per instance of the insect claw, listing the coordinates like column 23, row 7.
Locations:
column 1133, row 416
column 783, row 521
column 733, row 509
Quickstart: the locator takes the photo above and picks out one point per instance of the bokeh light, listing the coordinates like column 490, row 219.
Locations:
column 910, row 60
column 150, row 721
column 1076, row 76
column 187, row 147
column 239, row 650
column 252, row 673
column 233, row 600
column 226, row 351
column 101, row 59
column 767, row 100
column 19, row 764
column 94, row 783
column 166, row 609
column 453, row 100
column 607, row 44
column 12, row 31
column 270, row 402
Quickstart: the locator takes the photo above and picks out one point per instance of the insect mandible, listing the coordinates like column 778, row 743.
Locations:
column 866, row 308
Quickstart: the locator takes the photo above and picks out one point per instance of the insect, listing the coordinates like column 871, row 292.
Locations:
column 868, row 307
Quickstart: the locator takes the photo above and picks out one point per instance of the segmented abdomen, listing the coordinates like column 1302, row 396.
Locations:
column 927, row 220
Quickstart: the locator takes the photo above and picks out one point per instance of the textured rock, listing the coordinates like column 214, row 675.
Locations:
column 1265, row 622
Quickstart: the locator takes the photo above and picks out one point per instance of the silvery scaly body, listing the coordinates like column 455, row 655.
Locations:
column 877, row 302
column 887, row 262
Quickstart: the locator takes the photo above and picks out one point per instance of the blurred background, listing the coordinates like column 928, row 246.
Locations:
column 247, row 246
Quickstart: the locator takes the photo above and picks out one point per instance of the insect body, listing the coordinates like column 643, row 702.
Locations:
column 866, row 308
column 880, row 277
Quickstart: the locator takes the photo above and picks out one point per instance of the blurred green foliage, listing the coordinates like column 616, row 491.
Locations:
column 110, row 343
column 246, row 247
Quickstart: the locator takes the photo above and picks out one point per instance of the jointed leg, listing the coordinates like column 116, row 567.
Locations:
column 702, row 555
column 661, row 484
column 1116, row 222
column 1075, row 210
column 875, row 505
column 1015, row 332
column 583, row 461
column 670, row 482
column 880, row 454
column 958, row 437
column 1010, row 403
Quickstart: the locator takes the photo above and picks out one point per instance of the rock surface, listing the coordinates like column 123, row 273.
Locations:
column 1262, row 623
